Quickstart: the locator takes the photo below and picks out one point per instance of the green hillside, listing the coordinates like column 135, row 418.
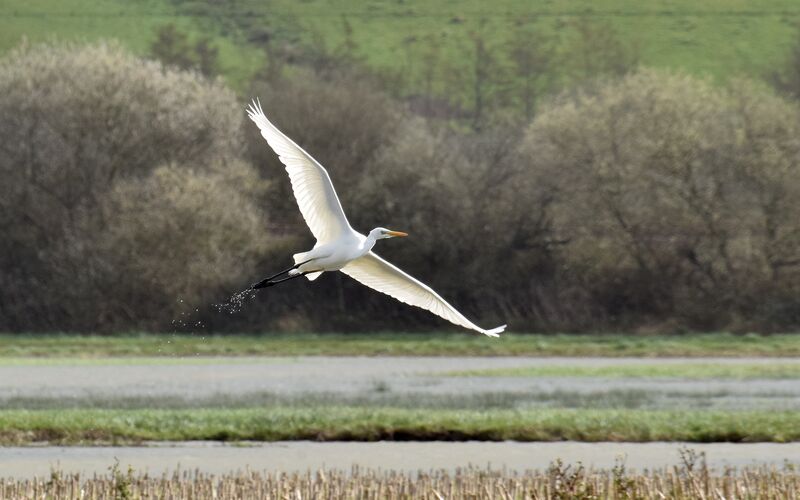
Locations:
column 408, row 37
column 134, row 23
column 716, row 37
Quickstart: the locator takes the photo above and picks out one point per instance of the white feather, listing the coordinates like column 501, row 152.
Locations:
column 384, row 277
column 339, row 246
column 311, row 183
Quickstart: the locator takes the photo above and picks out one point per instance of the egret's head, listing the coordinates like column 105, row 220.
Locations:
column 381, row 233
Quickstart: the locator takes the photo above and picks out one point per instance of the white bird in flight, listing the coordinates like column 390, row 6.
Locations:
column 339, row 247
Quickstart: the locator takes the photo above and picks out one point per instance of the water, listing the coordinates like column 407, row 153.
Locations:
column 235, row 303
column 188, row 322
column 300, row 456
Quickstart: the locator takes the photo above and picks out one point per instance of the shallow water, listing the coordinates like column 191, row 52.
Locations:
column 26, row 462
column 400, row 381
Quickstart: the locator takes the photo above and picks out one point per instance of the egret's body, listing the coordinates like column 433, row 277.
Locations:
column 340, row 247
column 335, row 255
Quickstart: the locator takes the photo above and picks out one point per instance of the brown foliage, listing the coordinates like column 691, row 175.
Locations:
column 655, row 200
column 110, row 165
column 675, row 196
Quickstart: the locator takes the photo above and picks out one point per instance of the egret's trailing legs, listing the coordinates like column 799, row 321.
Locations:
column 268, row 281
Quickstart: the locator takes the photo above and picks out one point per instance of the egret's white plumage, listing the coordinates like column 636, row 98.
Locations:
column 339, row 247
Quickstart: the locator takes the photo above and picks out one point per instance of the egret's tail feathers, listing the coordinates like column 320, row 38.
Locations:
column 494, row 332
column 301, row 257
column 313, row 276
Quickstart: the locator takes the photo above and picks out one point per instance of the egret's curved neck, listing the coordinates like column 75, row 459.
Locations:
column 370, row 242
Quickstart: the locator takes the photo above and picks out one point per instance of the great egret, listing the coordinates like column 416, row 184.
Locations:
column 339, row 247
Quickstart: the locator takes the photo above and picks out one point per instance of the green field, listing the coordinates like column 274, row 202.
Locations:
column 94, row 426
column 134, row 24
column 716, row 38
column 721, row 39
column 18, row 348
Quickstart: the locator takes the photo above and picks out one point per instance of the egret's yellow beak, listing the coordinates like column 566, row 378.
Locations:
column 397, row 233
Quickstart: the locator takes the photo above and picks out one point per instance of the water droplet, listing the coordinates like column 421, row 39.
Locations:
column 235, row 302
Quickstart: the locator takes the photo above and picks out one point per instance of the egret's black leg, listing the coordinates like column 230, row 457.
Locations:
column 263, row 283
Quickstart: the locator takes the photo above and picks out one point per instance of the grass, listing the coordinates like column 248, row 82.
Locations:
column 688, row 480
column 722, row 39
column 678, row 370
column 93, row 426
column 613, row 398
column 22, row 348
column 112, row 360
column 134, row 24
column 717, row 38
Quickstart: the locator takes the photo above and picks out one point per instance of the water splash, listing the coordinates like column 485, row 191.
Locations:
column 187, row 320
column 235, row 303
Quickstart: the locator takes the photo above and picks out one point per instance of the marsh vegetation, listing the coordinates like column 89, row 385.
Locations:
column 691, row 478
column 48, row 347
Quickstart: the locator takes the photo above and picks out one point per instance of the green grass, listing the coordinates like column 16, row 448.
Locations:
column 368, row 424
column 15, row 348
column 679, row 370
column 134, row 24
column 716, row 38
column 101, row 360
column 614, row 398
column 721, row 39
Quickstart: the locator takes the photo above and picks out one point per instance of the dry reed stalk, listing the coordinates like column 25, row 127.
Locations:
column 693, row 479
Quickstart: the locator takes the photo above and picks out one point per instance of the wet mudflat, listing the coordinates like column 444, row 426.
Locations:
column 409, row 382
column 27, row 462
column 399, row 381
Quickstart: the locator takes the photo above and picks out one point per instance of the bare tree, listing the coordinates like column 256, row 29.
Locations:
column 677, row 196
column 595, row 50
column 485, row 75
column 86, row 201
column 787, row 79
column 173, row 47
column 531, row 54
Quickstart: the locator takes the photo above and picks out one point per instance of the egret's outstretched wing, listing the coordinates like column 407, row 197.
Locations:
column 310, row 181
column 384, row 277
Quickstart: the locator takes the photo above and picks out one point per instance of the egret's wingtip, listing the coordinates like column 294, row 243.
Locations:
column 495, row 332
column 254, row 108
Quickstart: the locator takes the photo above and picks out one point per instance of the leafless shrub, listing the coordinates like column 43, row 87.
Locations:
column 175, row 237
column 674, row 194
column 653, row 199
column 110, row 164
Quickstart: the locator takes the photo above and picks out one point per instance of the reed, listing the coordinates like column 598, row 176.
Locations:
column 689, row 479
